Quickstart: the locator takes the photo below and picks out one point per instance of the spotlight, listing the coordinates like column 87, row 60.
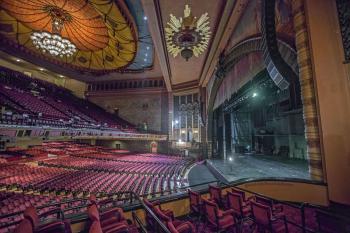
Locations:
column 230, row 158
column 176, row 121
column 255, row 94
column 17, row 60
column 41, row 69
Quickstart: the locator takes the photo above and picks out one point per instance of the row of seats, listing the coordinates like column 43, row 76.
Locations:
column 115, row 166
column 68, row 181
column 236, row 212
column 135, row 158
column 33, row 101
column 110, row 221
column 232, row 211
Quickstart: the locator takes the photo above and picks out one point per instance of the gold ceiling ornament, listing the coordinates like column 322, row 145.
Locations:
column 101, row 30
column 188, row 35
column 53, row 43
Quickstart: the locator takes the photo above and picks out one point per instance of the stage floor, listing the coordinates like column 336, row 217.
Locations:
column 261, row 166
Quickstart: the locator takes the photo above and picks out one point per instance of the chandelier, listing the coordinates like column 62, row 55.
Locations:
column 188, row 36
column 53, row 43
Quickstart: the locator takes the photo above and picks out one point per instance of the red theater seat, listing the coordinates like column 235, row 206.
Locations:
column 218, row 219
column 236, row 203
column 183, row 227
column 266, row 221
column 55, row 225
column 216, row 195
column 24, row 226
column 112, row 221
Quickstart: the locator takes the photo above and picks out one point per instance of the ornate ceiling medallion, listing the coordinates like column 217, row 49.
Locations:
column 94, row 27
column 187, row 35
column 53, row 42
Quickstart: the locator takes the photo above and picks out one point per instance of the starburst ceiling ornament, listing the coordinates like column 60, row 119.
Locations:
column 53, row 43
column 187, row 35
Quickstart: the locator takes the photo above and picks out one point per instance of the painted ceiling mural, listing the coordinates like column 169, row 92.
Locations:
column 250, row 23
column 104, row 32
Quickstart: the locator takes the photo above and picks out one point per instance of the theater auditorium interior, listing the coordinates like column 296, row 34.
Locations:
column 164, row 116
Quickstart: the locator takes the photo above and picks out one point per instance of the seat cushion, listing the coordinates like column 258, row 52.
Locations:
column 116, row 227
column 226, row 221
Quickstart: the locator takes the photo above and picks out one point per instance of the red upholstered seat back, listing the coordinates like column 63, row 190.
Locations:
column 234, row 202
column 195, row 199
column 164, row 218
column 262, row 213
column 215, row 193
column 24, row 226
column 172, row 228
column 241, row 193
column 264, row 201
column 93, row 213
column 32, row 216
column 211, row 211
column 95, row 227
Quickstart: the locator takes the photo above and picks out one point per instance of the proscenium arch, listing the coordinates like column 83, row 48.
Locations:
column 233, row 57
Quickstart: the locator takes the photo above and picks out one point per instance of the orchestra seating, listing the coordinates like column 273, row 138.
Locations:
column 30, row 101
column 96, row 182
column 78, row 170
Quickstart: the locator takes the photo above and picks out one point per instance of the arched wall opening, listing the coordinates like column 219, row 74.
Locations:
column 252, row 121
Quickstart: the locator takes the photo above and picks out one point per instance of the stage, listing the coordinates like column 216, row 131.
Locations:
column 240, row 166
column 250, row 166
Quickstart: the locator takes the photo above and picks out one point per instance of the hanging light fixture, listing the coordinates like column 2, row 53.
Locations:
column 187, row 36
column 53, row 43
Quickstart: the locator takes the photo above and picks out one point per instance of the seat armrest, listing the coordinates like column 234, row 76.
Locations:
column 112, row 213
column 157, row 203
column 279, row 217
column 185, row 227
column 56, row 227
column 227, row 212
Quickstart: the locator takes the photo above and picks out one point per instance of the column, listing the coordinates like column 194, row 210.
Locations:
column 307, row 85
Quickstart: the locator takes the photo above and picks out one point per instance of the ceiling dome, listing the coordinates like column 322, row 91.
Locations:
column 100, row 29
